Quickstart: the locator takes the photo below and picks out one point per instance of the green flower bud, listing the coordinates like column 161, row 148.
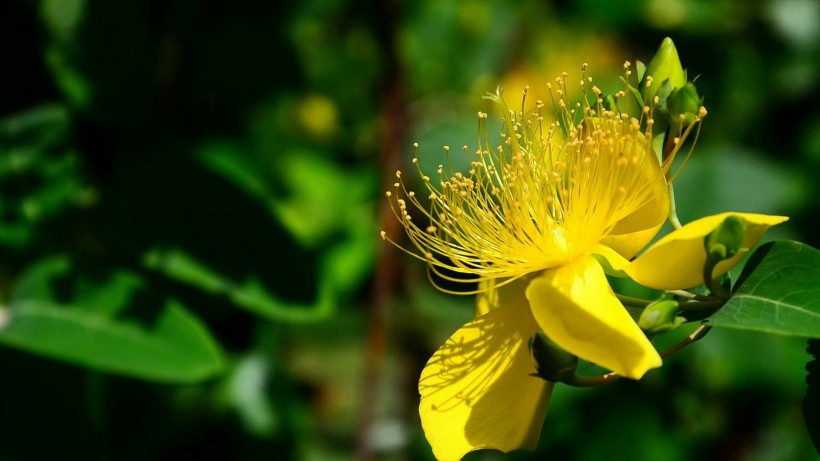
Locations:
column 726, row 240
column 660, row 317
column 664, row 66
column 551, row 362
column 683, row 105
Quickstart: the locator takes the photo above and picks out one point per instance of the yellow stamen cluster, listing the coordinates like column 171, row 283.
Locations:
column 548, row 193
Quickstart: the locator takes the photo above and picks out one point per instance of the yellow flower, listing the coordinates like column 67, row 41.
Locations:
column 676, row 261
column 525, row 222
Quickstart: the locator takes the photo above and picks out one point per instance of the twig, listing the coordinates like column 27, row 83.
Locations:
column 394, row 118
column 591, row 381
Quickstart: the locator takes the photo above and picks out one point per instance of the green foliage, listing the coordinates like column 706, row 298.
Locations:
column 96, row 325
column 40, row 174
column 776, row 293
column 188, row 220
column 176, row 348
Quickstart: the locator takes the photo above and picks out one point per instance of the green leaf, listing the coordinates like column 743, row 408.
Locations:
column 811, row 403
column 249, row 294
column 59, row 280
column 778, row 292
column 175, row 347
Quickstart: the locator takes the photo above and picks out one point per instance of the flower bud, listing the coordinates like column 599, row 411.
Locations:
column 665, row 65
column 683, row 105
column 660, row 317
column 551, row 362
column 726, row 240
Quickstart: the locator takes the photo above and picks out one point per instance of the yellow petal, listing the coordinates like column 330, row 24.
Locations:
column 577, row 309
column 477, row 391
column 628, row 245
column 632, row 233
column 487, row 297
column 676, row 261
column 494, row 293
column 612, row 258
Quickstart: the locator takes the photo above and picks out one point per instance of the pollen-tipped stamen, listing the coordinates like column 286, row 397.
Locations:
column 545, row 195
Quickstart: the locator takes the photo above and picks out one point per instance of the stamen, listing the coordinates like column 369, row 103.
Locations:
column 544, row 196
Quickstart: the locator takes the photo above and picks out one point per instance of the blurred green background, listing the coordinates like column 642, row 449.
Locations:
column 191, row 196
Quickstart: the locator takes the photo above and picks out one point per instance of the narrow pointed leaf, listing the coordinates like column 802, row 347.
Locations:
column 174, row 347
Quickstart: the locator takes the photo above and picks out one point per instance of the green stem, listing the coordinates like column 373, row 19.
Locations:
column 668, row 147
column 714, row 286
column 592, row 381
column 688, row 295
column 695, row 336
column 673, row 212
column 702, row 305
column 630, row 301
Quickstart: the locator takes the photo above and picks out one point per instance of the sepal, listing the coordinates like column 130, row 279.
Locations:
column 552, row 363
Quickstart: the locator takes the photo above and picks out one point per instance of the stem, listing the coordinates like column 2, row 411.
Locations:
column 632, row 301
column 702, row 305
column 688, row 295
column 393, row 114
column 668, row 148
column 714, row 286
column 592, row 381
column 695, row 336
column 673, row 212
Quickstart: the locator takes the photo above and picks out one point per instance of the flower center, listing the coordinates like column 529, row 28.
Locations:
column 543, row 197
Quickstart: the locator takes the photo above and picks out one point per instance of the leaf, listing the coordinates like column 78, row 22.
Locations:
column 778, row 292
column 59, row 280
column 174, row 348
column 811, row 403
column 249, row 294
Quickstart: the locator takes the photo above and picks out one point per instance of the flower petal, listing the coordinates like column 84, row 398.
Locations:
column 628, row 245
column 676, row 261
column 477, row 390
column 577, row 309
column 495, row 293
column 633, row 232
column 612, row 261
